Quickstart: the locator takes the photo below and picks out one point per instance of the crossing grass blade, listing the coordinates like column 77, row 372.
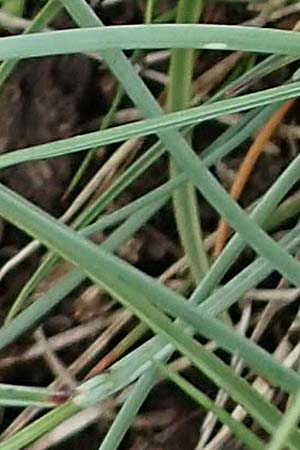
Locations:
column 219, row 373
column 147, row 299
column 131, row 288
column 186, row 158
column 150, row 126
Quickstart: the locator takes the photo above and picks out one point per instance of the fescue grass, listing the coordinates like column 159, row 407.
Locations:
column 175, row 320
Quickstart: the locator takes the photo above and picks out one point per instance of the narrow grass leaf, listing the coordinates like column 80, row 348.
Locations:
column 40, row 21
column 40, row 427
column 118, row 279
column 149, row 126
column 20, row 396
column 238, row 429
column 131, row 37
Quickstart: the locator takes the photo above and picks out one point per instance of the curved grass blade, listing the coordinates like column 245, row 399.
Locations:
column 40, row 21
column 132, row 37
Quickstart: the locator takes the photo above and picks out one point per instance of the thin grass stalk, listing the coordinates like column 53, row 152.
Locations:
column 185, row 198
column 240, row 430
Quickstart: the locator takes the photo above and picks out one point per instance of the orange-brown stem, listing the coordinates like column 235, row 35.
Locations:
column 103, row 364
column 248, row 165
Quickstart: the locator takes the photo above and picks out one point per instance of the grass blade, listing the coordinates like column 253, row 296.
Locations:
column 185, row 201
column 131, row 37
column 20, row 396
column 238, row 429
column 149, row 126
column 123, row 281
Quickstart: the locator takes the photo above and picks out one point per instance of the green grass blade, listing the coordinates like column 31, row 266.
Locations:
column 264, row 238
column 22, row 298
column 184, row 155
column 260, row 70
column 21, row 396
column 141, row 165
column 222, row 146
column 131, row 37
column 155, row 198
column 248, row 278
column 124, row 281
column 260, row 214
column 157, row 320
column 149, row 126
column 128, row 412
column 36, row 311
column 238, row 429
column 143, row 351
column 91, row 154
column 39, row 427
column 185, row 201
column 151, row 347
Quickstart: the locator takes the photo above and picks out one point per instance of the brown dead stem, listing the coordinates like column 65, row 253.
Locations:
column 248, row 166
